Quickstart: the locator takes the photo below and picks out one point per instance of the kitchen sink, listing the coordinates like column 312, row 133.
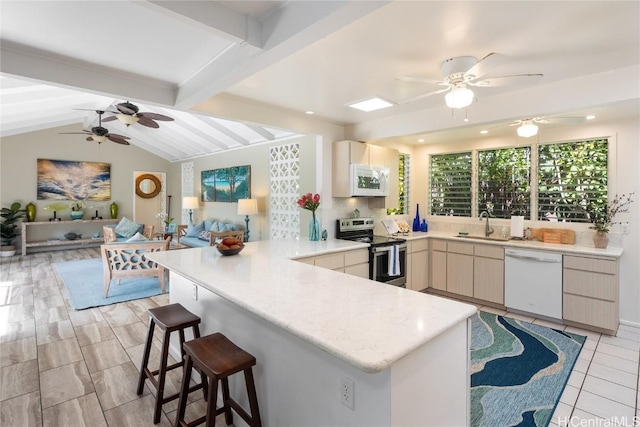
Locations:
column 495, row 239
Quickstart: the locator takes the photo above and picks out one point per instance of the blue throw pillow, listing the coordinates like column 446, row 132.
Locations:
column 194, row 230
column 127, row 228
column 204, row 235
column 207, row 224
column 138, row 238
column 215, row 227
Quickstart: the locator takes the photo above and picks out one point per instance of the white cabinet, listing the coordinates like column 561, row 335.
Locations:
column 348, row 152
column 354, row 262
column 417, row 264
column 590, row 291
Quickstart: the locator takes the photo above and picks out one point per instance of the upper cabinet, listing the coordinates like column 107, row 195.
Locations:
column 346, row 153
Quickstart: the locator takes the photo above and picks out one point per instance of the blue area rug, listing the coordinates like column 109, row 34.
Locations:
column 518, row 370
column 84, row 283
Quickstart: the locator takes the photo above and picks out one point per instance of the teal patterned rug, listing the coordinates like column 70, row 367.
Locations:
column 518, row 370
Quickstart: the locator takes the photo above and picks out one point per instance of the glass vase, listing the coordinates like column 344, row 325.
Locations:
column 314, row 229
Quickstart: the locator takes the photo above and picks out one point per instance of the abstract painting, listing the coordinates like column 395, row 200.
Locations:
column 72, row 180
column 226, row 184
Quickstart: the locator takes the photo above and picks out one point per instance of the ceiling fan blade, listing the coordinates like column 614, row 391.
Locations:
column 89, row 138
column 485, row 65
column 144, row 121
column 561, row 120
column 420, row 80
column 156, row 116
column 125, row 110
column 424, row 95
column 117, row 139
column 117, row 136
column 508, row 80
column 109, row 119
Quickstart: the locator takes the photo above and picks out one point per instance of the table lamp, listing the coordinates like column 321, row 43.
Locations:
column 247, row 207
column 190, row 203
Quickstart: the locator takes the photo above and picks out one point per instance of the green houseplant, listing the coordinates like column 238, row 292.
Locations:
column 10, row 217
column 602, row 216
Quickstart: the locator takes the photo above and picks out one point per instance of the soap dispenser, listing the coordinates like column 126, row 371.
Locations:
column 424, row 227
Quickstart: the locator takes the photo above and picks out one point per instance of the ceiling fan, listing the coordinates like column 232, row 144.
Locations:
column 529, row 127
column 100, row 134
column 460, row 72
column 128, row 114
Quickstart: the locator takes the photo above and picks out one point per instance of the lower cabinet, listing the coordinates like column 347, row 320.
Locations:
column 417, row 264
column 488, row 273
column 590, row 291
column 438, row 264
column 460, row 268
column 355, row 262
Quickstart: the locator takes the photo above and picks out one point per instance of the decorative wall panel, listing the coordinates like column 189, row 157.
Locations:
column 284, row 184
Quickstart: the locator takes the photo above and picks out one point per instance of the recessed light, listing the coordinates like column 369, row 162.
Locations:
column 370, row 104
column 421, row 140
column 309, row 112
column 590, row 117
column 484, row 131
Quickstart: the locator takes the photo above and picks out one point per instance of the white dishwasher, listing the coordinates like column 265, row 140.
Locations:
column 533, row 282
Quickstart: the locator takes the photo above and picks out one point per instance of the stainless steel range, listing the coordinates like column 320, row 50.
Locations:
column 381, row 249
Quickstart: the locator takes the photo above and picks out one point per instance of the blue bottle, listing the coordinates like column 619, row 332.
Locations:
column 424, row 227
column 416, row 220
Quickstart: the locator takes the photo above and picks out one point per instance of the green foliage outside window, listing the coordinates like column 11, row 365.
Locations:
column 450, row 178
column 504, row 186
column 572, row 176
column 403, row 186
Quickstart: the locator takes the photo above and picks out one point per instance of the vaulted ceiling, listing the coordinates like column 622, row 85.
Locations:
column 172, row 57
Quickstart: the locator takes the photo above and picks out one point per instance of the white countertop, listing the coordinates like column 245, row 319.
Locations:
column 522, row 244
column 367, row 324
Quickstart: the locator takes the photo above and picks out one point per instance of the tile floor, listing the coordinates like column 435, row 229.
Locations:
column 60, row 367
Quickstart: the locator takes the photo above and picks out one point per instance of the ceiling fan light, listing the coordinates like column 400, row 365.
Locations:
column 527, row 130
column 127, row 119
column 99, row 139
column 459, row 97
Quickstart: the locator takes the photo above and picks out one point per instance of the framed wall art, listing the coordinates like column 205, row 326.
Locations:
column 226, row 184
column 73, row 180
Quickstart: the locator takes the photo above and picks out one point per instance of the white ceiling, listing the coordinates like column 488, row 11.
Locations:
column 305, row 55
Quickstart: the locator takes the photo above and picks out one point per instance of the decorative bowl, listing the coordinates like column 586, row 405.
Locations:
column 72, row 236
column 228, row 252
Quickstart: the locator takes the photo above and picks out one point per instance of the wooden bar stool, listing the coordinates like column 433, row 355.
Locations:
column 169, row 318
column 218, row 358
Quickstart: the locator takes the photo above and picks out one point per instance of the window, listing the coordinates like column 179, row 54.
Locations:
column 404, row 166
column 570, row 176
column 450, row 189
column 504, row 182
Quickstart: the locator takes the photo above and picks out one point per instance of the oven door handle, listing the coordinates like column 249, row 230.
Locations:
column 378, row 249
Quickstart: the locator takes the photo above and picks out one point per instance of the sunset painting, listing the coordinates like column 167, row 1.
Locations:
column 71, row 180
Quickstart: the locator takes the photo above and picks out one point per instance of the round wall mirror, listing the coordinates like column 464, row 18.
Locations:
column 148, row 186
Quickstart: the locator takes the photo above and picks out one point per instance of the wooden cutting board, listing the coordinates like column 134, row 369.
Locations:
column 554, row 235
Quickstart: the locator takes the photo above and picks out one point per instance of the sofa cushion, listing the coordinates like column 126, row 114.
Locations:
column 204, row 235
column 195, row 230
column 127, row 228
column 194, row 242
column 220, row 227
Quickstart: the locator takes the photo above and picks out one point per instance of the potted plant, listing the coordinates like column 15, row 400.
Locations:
column 77, row 209
column 602, row 218
column 10, row 217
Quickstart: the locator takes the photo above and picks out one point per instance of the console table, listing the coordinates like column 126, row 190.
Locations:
column 39, row 234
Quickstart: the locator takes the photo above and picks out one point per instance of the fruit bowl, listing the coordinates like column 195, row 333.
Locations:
column 227, row 252
column 230, row 246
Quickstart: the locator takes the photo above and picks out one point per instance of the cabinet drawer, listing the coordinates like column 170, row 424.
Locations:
column 333, row 261
column 598, row 265
column 419, row 245
column 360, row 270
column 603, row 314
column 487, row 251
column 356, row 257
column 593, row 285
column 460, row 248
column 439, row 245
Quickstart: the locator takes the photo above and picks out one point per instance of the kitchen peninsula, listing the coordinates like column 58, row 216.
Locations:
column 403, row 355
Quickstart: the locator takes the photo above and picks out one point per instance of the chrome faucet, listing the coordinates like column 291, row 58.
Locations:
column 487, row 230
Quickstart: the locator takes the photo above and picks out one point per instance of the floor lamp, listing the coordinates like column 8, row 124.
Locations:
column 247, row 207
column 190, row 203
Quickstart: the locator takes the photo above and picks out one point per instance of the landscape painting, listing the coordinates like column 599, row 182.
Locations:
column 226, row 184
column 73, row 180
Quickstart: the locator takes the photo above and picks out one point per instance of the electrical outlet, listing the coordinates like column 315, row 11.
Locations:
column 625, row 228
column 347, row 392
column 194, row 292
